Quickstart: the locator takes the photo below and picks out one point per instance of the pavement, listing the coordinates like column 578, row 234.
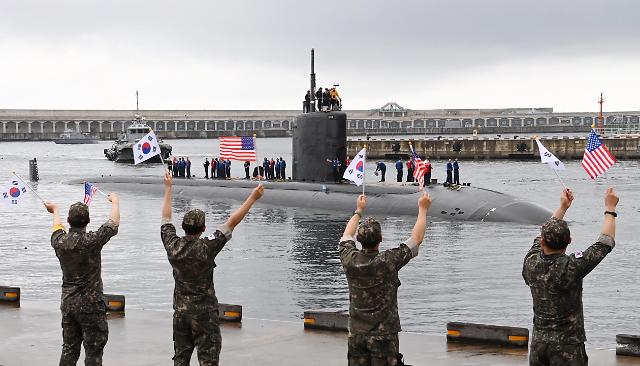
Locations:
column 32, row 335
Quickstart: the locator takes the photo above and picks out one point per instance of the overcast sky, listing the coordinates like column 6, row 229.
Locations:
column 422, row 54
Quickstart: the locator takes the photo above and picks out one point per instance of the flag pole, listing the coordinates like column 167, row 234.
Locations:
column 98, row 189
column 27, row 184
column 560, row 179
column 160, row 153
column 364, row 175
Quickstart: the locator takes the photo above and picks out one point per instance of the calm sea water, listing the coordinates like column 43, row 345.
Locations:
column 283, row 261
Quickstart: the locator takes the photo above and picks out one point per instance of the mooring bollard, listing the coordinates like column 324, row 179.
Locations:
column 10, row 295
column 327, row 319
column 114, row 303
column 628, row 345
column 33, row 170
column 230, row 313
column 487, row 334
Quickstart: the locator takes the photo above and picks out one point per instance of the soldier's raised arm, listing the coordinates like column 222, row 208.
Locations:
column 52, row 208
column 582, row 263
column 115, row 208
column 352, row 225
column 610, row 204
column 242, row 211
column 417, row 234
column 168, row 194
column 566, row 199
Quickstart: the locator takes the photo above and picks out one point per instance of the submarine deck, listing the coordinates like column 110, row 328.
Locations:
column 31, row 335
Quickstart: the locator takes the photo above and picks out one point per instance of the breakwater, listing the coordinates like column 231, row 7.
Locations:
column 41, row 124
column 565, row 147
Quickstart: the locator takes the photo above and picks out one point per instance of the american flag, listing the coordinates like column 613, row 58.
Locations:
column 597, row 159
column 237, row 148
column 419, row 169
column 89, row 191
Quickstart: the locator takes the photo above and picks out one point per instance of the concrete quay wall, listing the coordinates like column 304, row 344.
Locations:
column 48, row 136
column 622, row 147
column 36, row 124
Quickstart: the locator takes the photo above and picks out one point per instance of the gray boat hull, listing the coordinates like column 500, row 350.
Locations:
column 75, row 141
column 469, row 203
column 123, row 153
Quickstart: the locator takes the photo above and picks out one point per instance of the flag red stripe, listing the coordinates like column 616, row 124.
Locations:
column 595, row 163
column 588, row 170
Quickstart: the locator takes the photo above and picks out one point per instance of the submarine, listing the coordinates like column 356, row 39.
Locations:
column 322, row 134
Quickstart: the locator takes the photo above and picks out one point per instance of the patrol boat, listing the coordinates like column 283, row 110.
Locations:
column 73, row 138
column 122, row 150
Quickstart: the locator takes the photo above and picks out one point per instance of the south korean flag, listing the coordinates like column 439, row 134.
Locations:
column 547, row 157
column 355, row 170
column 146, row 148
column 14, row 192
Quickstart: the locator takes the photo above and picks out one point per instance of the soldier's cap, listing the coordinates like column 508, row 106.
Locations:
column 79, row 212
column 194, row 218
column 369, row 231
column 555, row 233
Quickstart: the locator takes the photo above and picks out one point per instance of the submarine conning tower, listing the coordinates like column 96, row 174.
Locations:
column 318, row 137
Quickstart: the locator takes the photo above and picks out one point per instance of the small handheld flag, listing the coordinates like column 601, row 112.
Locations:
column 89, row 191
column 14, row 192
column 355, row 170
column 420, row 167
column 146, row 148
column 597, row 159
column 547, row 157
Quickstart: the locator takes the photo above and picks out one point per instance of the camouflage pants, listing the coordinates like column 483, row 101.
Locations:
column 546, row 354
column 373, row 350
column 200, row 331
column 90, row 328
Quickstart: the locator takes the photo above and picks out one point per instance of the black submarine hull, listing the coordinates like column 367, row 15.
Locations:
column 467, row 204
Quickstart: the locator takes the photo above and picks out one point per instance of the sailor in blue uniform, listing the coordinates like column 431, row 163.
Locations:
column 449, row 172
column 382, row 168
column 283, row 167
column 399, row 167
column 456, row 172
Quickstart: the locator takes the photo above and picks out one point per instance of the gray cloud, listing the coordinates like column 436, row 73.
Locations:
column 360, row 42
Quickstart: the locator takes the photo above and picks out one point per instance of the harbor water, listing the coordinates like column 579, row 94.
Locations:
column 282, row 261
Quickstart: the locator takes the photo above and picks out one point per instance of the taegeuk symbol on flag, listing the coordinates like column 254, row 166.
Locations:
column 146, row 148
column 14, row 191
column 547, row 157
column 355, row 170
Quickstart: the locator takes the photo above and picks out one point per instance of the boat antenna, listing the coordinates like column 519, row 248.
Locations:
column 313, row 81
column 600, row 118
column 137, row 110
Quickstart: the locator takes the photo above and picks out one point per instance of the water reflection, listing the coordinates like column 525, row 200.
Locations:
column 316, row 277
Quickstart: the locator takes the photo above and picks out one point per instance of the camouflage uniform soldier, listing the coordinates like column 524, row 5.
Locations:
column 195, row 317
column 373, row 286
column 555, row 280
column 82, row 306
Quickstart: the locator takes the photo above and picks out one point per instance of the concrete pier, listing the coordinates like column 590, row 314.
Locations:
column 390, row 119
column 31, row 335
column 566, row 147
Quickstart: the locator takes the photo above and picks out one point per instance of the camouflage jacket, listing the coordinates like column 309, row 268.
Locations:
column 373, row 286
column 81, row 264
column 556, row 288
column 192, row 260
